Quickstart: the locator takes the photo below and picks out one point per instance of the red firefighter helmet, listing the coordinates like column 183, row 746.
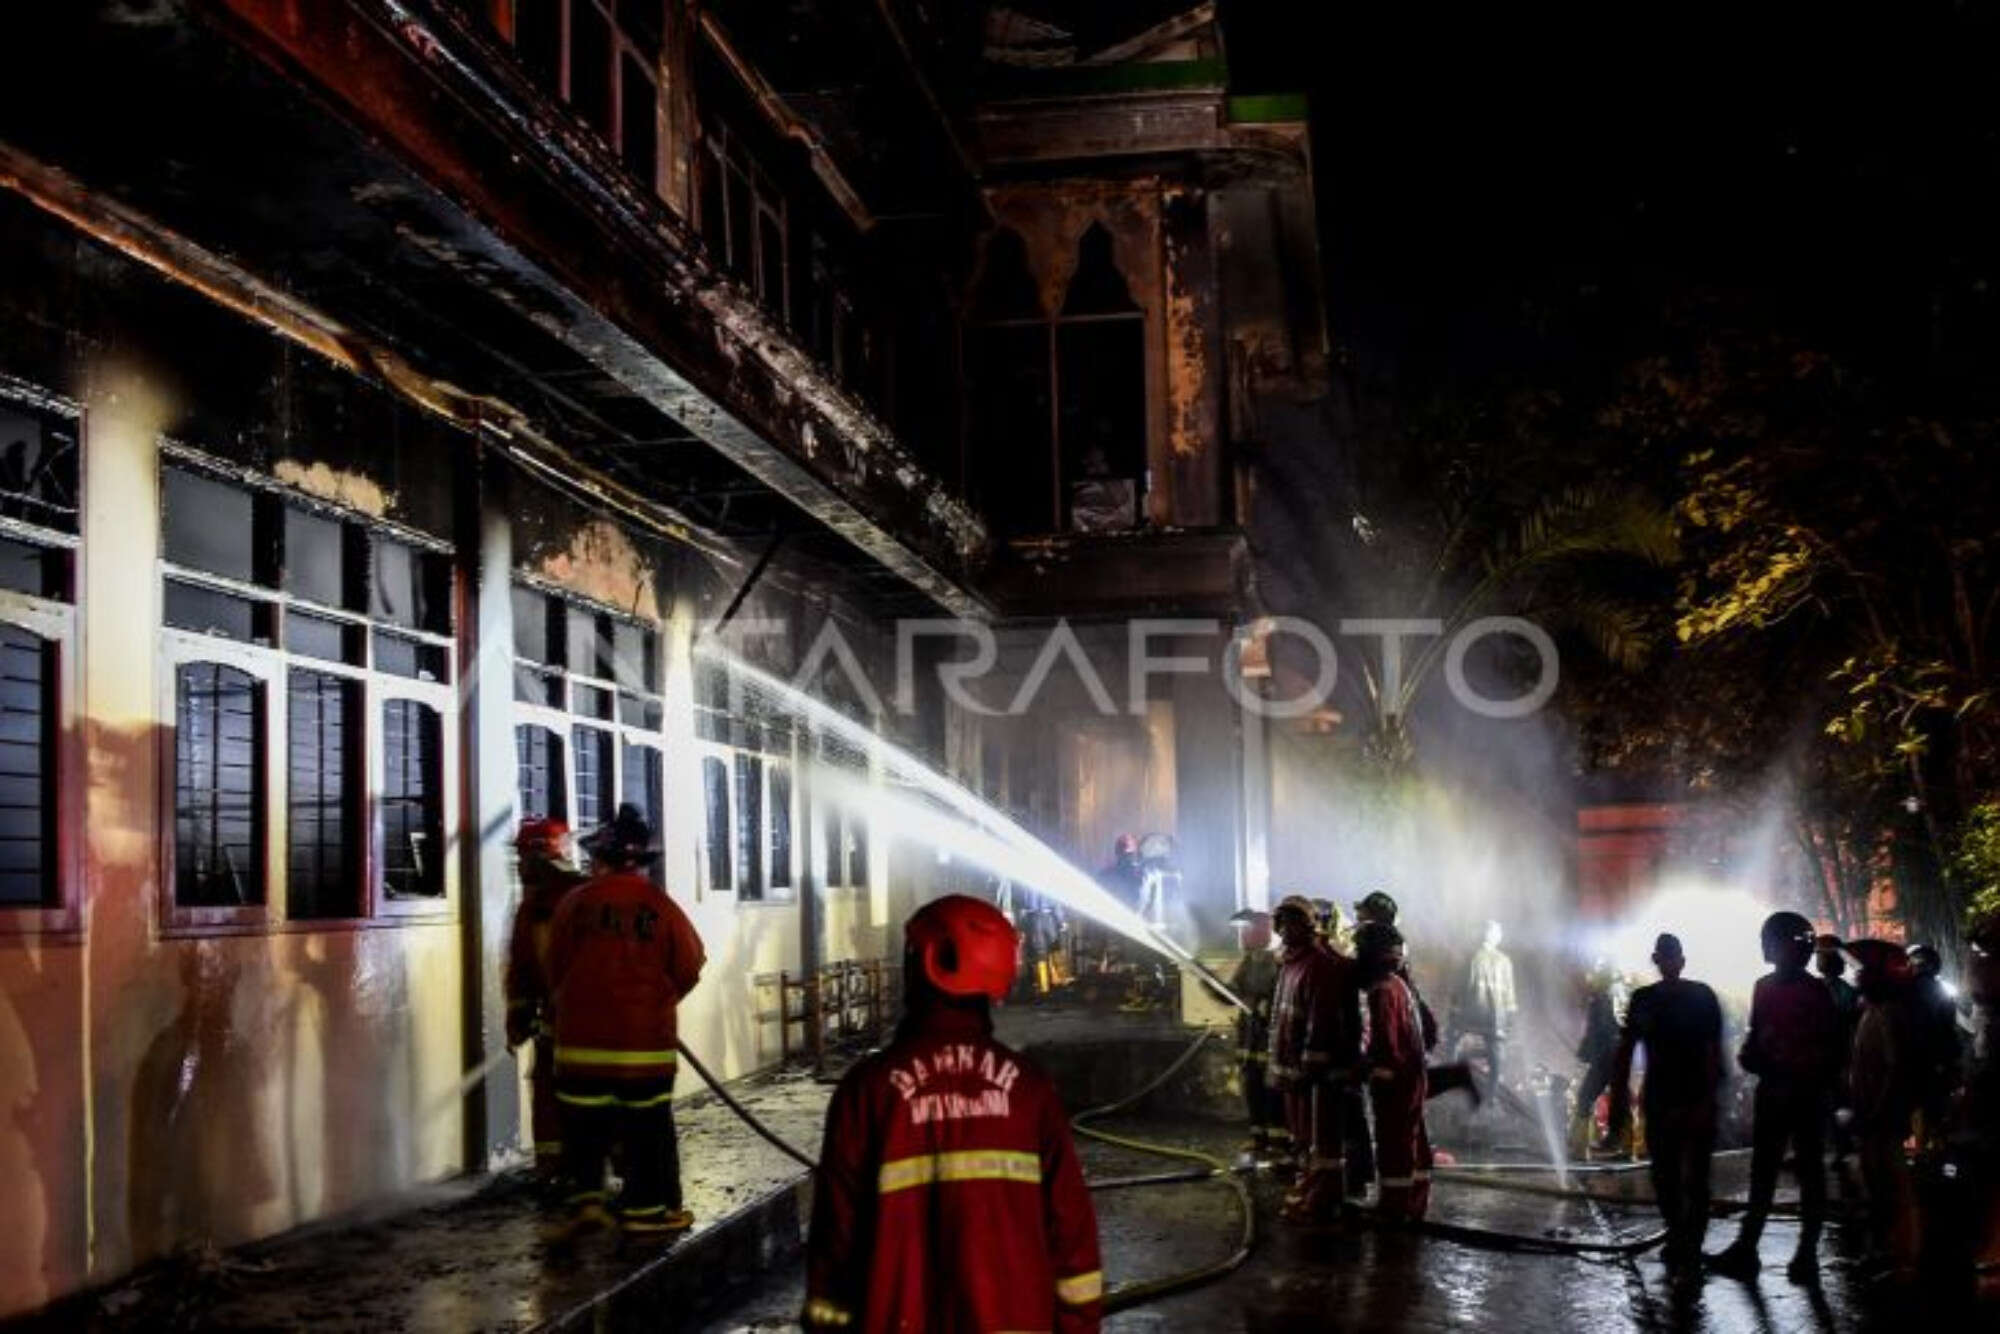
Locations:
column 1125, row 845
column 964, row 946
column 541, row 839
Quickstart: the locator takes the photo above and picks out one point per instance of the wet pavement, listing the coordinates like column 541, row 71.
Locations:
column 474, row 1258
column 477, row 1256
column 1379, row 1280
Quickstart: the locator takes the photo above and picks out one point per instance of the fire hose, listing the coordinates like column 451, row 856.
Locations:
column 1206, row 1167
column 1477, row 1176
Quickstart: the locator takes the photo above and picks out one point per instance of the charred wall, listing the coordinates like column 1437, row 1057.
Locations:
column 183, row 1075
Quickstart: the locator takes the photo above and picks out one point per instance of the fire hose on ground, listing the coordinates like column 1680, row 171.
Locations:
column 1206, row 1167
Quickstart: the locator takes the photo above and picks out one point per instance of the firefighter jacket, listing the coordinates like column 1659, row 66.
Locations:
column 949, row 1198
column 525, row 983
column 1395, row 1041
column 1315, row 1016
column 1255, row 982
column 621, row 956
column 1489, row 992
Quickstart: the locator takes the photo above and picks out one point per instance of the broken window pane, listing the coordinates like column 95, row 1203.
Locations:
column 411, row 588
column 715, row 800
column 589, row 643
column 534, row 638
column 535, row 686
column 27, row 770
column 412, row 800
column 209, row 525
column 539, row 764
column 38, row 467
column 750, row 826
column 634, row 656
column 218, row 787
column 323, row 776
column 316, row 560
column 781, row 827
column 595, row 795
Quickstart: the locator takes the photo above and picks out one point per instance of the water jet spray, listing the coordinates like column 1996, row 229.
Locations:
column 982, row 834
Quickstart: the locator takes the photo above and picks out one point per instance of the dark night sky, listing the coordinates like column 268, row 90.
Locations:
column 1523, row 196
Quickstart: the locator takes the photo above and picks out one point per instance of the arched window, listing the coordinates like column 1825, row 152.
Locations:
column 412, row 800
column 27, row 769
column 1057, row 402
column 218, row 787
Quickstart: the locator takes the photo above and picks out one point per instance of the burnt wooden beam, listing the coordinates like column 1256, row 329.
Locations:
column 539, row 215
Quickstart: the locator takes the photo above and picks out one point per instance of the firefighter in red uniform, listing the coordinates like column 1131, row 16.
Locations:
column 547, row 874
column 949, row 1198
column 1396, row 1082
column 622, row 955
column 1315, row 1036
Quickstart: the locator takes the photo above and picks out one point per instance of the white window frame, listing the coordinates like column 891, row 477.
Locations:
column 772, row 896
column 55, row 623
column 179, row 648
column 378, row 691
column 273, row 667
column 563, row 721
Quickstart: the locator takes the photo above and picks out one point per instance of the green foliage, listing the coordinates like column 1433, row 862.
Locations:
column 1838, row 597
column 1975, row 863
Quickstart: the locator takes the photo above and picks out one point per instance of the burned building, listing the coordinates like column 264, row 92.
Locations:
column 396, row 397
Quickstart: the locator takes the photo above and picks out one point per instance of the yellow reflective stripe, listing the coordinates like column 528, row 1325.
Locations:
column 607, row 1056
column 653, row 1101
column 966, row 1165
column 584, row 1099
column 820, row 1311
column 1080, row 1288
